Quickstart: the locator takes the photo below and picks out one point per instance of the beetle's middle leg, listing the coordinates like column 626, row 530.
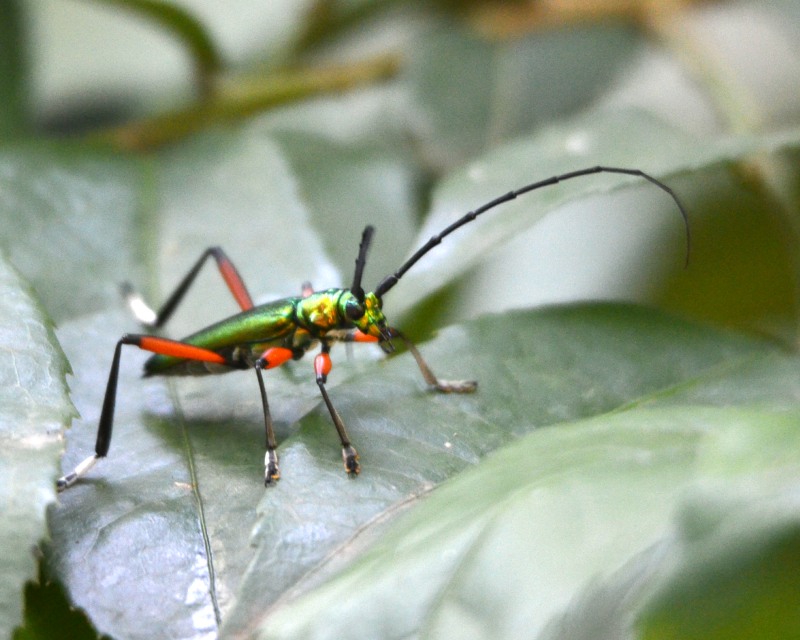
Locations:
column 272, row 357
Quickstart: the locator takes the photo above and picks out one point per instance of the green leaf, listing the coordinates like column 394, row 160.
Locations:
column 34, row 409
column 190, row 510
column 666, row 470
column 177, row 482
column 163, row 501
column 49, row 614
column 74, row 222
column 238, row 190
column 735, row 558
column 740, row 585
column 540, row 369
column 467, row 94
column 178, row 511
column 569, row 511
column 348, row 186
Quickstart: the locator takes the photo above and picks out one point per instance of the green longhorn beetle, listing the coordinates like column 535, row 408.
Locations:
column 266, row 336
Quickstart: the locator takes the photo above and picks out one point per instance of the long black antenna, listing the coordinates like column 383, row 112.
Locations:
column 389, row 281
column 361, row 261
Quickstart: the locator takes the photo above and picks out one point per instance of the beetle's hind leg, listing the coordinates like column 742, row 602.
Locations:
column 154, row 344
column 152, row 319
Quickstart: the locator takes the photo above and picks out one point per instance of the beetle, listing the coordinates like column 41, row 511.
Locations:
column 268, row 335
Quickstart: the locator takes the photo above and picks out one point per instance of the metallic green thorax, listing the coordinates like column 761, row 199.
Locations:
column 295, row 323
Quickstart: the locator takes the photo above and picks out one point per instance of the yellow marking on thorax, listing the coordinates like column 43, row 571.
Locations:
column 321, row 311
column 324, row 314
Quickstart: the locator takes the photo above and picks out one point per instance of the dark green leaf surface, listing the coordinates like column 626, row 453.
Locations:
column 180, row 510
column 175, row 483
column 737, row 579
column 534, row 376
column 49, row 613
column 348, row 186
column 34, row 409
column 237, row 190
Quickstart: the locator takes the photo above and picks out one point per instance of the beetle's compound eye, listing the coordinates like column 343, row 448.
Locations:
column 354, row 310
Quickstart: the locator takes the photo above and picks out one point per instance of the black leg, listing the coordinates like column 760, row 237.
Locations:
column 272, row 472
column 322, row 366
column 105, row 426
column 155, row 319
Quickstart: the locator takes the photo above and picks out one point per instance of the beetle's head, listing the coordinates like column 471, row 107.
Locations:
column 366, row 315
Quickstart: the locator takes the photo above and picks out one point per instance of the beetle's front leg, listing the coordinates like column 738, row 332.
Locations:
column 443, row 386
column 322, row 367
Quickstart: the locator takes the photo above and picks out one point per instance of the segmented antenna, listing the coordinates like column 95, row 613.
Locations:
column 389, row 281
column 361, row 261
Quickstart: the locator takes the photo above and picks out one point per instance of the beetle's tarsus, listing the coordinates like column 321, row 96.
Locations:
column 272, row 472
column 350, row 457
column 64, row 482
column 456, row 386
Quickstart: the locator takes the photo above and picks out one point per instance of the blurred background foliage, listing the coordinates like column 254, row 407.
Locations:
column 394, row 112
column 464, row 77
